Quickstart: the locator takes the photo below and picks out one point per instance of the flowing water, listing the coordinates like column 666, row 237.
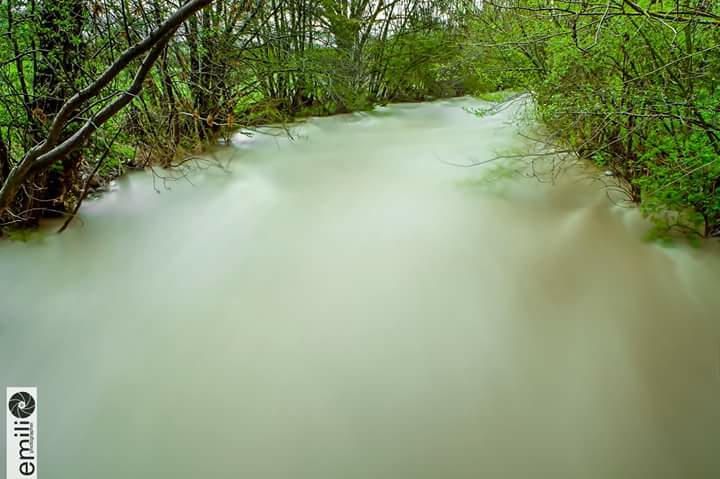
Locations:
column 349, row 305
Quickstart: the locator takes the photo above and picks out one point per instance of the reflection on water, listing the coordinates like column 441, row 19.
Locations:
column 347, row 306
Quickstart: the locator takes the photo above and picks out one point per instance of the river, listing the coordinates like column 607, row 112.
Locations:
column 347, row 304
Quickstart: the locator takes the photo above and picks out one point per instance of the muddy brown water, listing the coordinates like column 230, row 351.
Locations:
column 349, row 305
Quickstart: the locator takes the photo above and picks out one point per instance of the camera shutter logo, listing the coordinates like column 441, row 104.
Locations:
column 21, row 405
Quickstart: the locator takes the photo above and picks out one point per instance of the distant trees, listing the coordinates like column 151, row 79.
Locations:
column 336, row 56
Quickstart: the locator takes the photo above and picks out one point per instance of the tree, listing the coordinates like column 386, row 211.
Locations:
column 69, row 129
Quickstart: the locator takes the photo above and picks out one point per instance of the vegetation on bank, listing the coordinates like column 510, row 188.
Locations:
column 89, row 88
column 158, row 81
column 632, row 86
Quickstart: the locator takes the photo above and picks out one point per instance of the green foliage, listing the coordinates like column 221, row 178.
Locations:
column 500, row 96
column 633, row 90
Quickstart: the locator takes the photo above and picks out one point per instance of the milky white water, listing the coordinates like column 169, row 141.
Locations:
column 348, row 305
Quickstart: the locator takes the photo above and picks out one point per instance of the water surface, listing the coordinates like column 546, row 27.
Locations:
column 349, row 305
